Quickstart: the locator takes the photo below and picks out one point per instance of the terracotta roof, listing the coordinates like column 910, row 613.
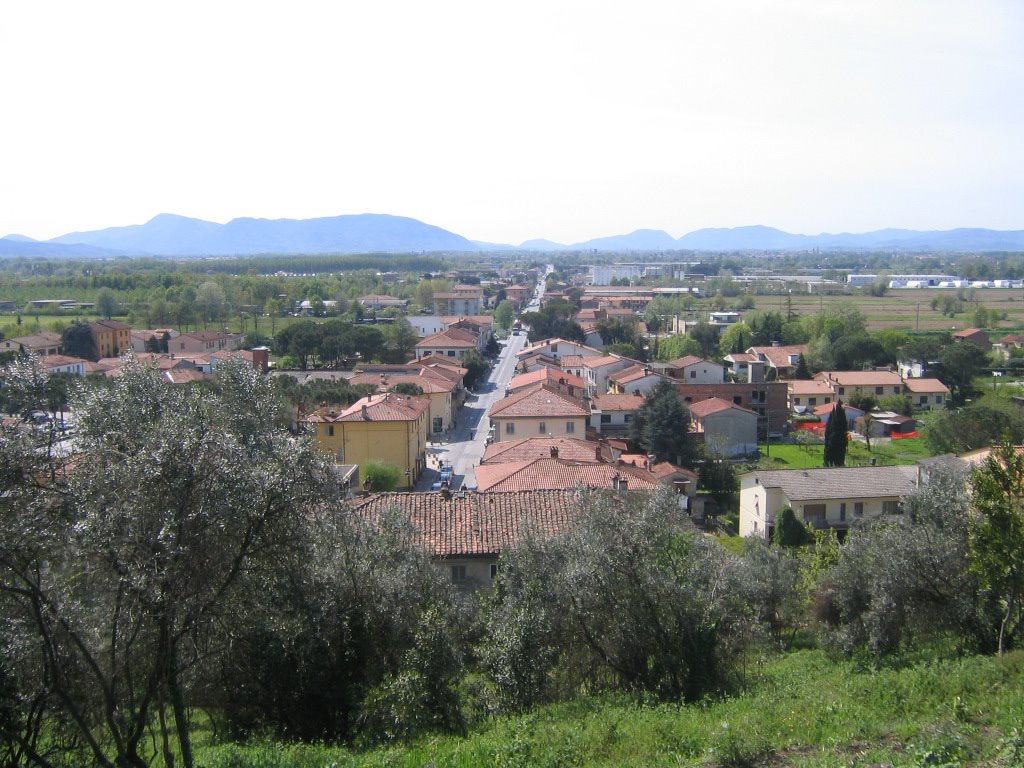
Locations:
column 925, row 386
column 741, row 357
column 478, row 523
column 537, row 346
column 861, row 378
column 968, row 332
column 683, row 362
column 1012, row 338
column 542, row 473
column 601, row 362
column 609, row 403
column 41, row 339
column 633, row 373
column 425, row 379
column 538, row 401
column 546, row 374
column 808, row 387
column 185, row 375
column 571, row 361
column 441, row 368
column 667, row 469
column 110, row 325
column 711, row 405
column 474, row 319
column 824, row 408
column 570, row 448
column 384, row 407
column 452, row 337
column 54, row 361
column 841, row 482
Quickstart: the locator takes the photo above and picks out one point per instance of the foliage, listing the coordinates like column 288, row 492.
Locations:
column 900, row 404
column 975, row 426
column 408, row 388
column 836, row 437
column 863, row 402
column 553, row 321
column 959, row 364
column 737, row 338
column 765, row 327
column 789, row 531
column 905, row 581
column 677, row 346
column 718, row 477
column 106, row 303
column 630, row 351
column 77, row 341
column 381, row 477
column 617, row 330
column 997, row 536
column 706, row 336
column 477, row 369
column 661, row 427
column 802, row 372
column 504, row 314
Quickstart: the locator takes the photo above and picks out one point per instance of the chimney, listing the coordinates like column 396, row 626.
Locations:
column 366, row 414
column 554, row 451
column 597, row 452
column 623, row 485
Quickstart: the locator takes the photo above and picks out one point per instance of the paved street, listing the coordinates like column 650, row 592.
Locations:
column 464, row 447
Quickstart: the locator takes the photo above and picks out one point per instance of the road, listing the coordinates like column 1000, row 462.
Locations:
column 464, row 446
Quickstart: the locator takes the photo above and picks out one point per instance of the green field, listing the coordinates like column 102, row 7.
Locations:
column 795, row 456
column 802, row 709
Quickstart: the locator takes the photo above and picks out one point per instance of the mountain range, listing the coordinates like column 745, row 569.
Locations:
column 172, row 235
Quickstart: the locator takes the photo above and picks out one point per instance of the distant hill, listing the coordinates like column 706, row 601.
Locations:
column 172, row 235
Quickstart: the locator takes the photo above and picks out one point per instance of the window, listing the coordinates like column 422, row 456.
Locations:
column 938, row 399
column 811, row 401
column 858, row 508
column 842, row 511
column 814, row 514
column 693, row 374
column 890, row 508
column 924, row 399
column 606, row 418
column 628, row 418
column 494, row 571
column 510, row 428
column 737, row 400
column 542, row 427
column 458, row 573
column 451, row 353
column 570, row 427
column 330, row 430
column 879, row 390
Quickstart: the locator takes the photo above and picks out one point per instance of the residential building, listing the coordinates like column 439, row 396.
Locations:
column 438, row 389
column 461, row 300
column 377, row 302
column 481, row 325
column 539, row 412
column 204, row 342
column 43, row 343
column 614, row 414
column 557, row 349
column 387, row 428
column 745, row 367
column 783, row 360
column 847, row 384
column 835, row 498
column 598, row 369
column 808, row 394
column 527, row 449
column 696, row 370
column 926, row 394
column 638, row 379
column 75, row 366
column 549, row 472
column 1007, row 344
column 768, row 399
column 450, row 343
column 554, row 378
column 729, row 430
column 974, row 336
column 144, row 339
column 112, row 337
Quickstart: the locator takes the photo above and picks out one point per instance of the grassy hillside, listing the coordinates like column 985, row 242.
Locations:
column 801, row 710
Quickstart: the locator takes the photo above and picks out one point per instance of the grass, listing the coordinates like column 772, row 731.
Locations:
column 809, row 456
column 802, row 709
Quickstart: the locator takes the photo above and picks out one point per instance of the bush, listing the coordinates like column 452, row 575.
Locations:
column 381, row 477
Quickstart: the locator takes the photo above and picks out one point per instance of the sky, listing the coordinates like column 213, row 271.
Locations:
column 506, row 121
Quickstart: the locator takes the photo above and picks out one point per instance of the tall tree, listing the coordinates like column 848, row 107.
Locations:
column 77, row 341
column 106, row 303
column 997, row 536
column 661, row 427
column 836, row 437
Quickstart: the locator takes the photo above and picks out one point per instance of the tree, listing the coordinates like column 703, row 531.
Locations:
column 661, row 427
column 718, row 477
column 765, row 327
column 959, row 364
column 975, row 426
column 802, row 373
column 116, row 574
column 735, row 339
column 504, row 314
column 836, row 437
column 676, row 346
column 706, row 336
column 476, row 369
column 380, row 477
column 210, row 303
column 997, row 536
column 790, row 532
column 106, row 303
column 408, row 388
column 77, row 341
column 400, row 340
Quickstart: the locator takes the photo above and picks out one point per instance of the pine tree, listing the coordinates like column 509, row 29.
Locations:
column 802, row 371
column 835, row 437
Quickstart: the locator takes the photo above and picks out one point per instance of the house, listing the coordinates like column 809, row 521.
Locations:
column 426, row 325
column 42, row 343
column 466, row 532
column 768, row 399
column 638, row 379
column 557, row 349
column 143, row 340
column 554, row 378
column 1005, row 346
column 449, row 343
column 926, row 394
column 461, row 300
column 438, row 389
column 598, row 369
column 614, row 414
column 974, row 336
column 257, row 357
column 696, row 370
column 388, row 428
column 836, row 497
column 550, row 472
column 824, row 413
column 204, row 342
column 728, row 429
column 569, row 448
column 848, row 384
column 539, row 411
column 75, row 366
column 481, row 325
column 783, row 360
column 377, row 302
column 808, row 394
column 112, row 338
column 745, row 367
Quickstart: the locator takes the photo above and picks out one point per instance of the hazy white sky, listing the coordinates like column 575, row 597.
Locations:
column 514, row 120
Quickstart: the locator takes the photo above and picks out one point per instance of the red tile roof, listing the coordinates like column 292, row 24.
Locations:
column 926, row 386
column 538, row 401
column 611, row 403
column 778, row 357
column 547, row 375
column 711, row 405
column 384, row 407
column 570, row 448
column 538, row 474
column 452, row 337
column 860, row 378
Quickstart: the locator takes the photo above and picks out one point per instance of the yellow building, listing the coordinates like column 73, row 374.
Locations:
column 112, row 338
column 440, row 390
column 539, row 412
column 387, row 428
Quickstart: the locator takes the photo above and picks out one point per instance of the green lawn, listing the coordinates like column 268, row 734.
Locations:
column 793, row 456
column 802, row 709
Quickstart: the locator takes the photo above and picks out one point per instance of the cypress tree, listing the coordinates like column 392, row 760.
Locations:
column 835, row 437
